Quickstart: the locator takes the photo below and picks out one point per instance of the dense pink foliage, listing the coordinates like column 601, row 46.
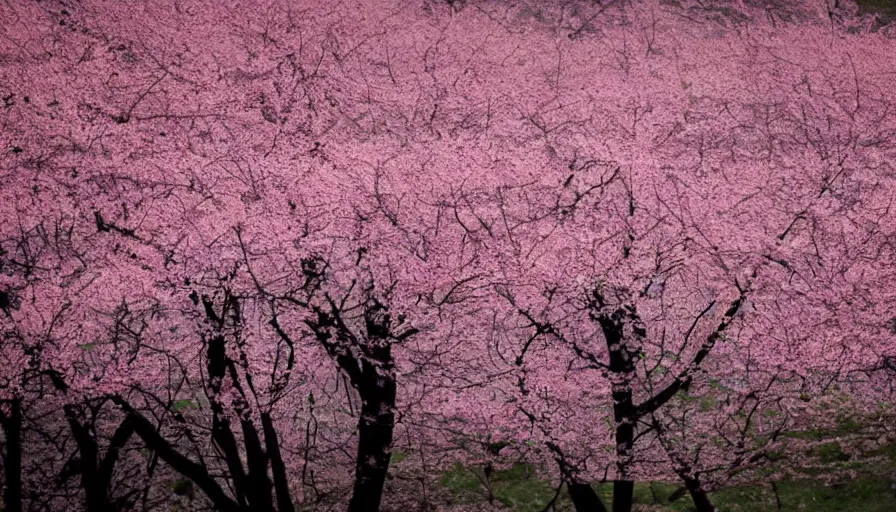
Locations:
column 480, row 192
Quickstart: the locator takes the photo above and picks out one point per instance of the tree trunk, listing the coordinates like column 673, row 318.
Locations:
column 624, row 410
column 260, row 497
column 107, row 466
column 222, row 434
column 12, row 426
column 701, row 500
column 278, row 468
column 623, row 495
column 623, row 351
column 585, row 499
column 375, row 428
column 372, row 374
column 94, row 491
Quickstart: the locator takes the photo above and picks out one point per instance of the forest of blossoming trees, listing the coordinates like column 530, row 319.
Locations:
column 296, row 255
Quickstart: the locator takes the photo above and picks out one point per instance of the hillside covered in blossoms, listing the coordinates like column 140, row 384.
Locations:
column 400, row 255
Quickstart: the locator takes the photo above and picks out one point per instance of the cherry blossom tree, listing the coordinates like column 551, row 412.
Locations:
column 267, row 244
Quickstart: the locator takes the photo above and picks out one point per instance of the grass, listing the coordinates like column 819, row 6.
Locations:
column 872, row 490
column 829, row 452
column 519, row 490
column 844, row 426
column 867, row 494
column 516, row 488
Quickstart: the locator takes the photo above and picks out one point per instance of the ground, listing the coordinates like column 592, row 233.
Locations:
column 873, row 489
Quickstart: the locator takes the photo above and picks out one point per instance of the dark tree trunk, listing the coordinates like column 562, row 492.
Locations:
column 701, row 500
column 88, row 453
column 222, row 434
column 585, row 499
column 278, row 468
column 375, row 428
column 107, row 465
column 96, row 474
column 623, row 490
column 12, row 426
column 257, row 461
column 372, row 374
column 623, row 495
column 623, row 353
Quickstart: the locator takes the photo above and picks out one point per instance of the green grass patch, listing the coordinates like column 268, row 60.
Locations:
column 869, row 495
column 517, row 487
column 844, row 426
column 829, row 452
column 530, row 495
column 184, row 405
column 463, row 484
column 520, row 490
column 182, row 487
column 847, row 425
